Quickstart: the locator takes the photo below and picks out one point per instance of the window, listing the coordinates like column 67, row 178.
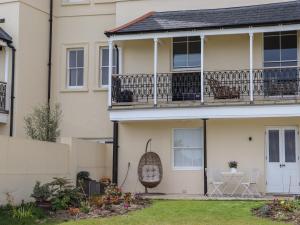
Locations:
column 280, row 49
column 104, row 67
column 75, row 67
column 186, row 52
column 187, row 148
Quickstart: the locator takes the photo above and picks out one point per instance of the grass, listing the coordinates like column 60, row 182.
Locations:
column 181, row 213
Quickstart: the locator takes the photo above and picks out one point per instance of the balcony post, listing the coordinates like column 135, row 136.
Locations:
column 202, row 68
column 251, row 66
column 155, row 72
column 6, row 75
column 110, row 70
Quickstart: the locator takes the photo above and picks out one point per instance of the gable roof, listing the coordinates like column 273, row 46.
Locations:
column 5, row 36
column 256, row 15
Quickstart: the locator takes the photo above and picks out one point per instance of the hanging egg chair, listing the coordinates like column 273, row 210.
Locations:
column 150, row 170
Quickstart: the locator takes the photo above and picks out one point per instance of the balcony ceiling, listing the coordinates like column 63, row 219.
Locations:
column 256, row 15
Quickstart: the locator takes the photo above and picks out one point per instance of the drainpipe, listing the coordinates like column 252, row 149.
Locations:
column 50, row 50
column 205, row 155
column 115, row 152
column 12, row 91
column 117, row 63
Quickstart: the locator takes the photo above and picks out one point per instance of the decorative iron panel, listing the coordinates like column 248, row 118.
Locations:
column 270, row 82
column 227, row 84
column 132, row 88
column 2, row 96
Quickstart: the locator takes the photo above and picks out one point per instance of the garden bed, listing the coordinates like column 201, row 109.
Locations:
column 280, row 210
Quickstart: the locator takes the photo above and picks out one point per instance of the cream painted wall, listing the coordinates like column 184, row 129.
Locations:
column 226, row 52
column 23, row 162
column 32, row 59
column 132, row 142
column 226, row 140
column 84, row 110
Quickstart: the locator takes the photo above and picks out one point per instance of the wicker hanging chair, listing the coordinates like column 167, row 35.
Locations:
column 150, row 170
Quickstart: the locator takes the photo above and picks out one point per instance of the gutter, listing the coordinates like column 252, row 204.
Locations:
column 50, row 50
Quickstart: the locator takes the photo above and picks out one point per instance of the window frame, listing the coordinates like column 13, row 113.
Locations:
column 69, row 68
column 280, row 49
column 186, row 168
column 99, row 68
column 188, row 68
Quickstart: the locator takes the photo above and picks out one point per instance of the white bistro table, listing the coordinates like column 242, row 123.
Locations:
column 233, row 180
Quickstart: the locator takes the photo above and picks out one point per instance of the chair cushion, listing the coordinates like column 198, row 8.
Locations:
column 150, row 173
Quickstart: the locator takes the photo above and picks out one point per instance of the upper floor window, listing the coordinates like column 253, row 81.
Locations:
column 280, row 49
column 187, row 148
column 186, row 52
column 75, row 70
column 104, row 65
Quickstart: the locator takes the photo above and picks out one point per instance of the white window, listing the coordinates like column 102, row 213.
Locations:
column 74, row 1
column 188, row 148
column 186, row 52
column 75, row 69
column 104, row 65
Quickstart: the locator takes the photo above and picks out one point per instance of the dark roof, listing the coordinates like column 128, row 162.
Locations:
column 5, row 36
column 256, row 15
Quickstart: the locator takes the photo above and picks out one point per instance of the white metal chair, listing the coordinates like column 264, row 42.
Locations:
column 250, row 185
column 215, row 181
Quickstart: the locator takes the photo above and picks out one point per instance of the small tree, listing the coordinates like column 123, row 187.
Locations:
column 43, row 123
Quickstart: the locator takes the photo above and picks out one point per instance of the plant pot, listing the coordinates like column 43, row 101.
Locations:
column 44, row 205
column 233, row 170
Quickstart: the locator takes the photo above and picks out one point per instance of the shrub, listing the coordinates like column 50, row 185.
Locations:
column 43, row 123
column 64, row 194
column 41, row 193
column 233, row 164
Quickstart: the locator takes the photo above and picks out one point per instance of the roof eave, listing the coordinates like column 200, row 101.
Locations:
column 109, row 34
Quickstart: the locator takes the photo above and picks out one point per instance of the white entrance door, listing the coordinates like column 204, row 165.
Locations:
column 282, row 160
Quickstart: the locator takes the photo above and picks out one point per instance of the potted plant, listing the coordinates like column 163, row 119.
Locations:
column 233, row 166
column 42, row 194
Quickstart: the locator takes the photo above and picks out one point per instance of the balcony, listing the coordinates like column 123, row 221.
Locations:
column 3, row 97
column 230, row 87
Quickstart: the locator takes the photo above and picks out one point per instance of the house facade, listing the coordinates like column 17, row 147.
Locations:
column 208, row 81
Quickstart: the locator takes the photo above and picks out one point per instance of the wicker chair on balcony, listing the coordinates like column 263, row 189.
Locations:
column 150, row 169
column 221, row 91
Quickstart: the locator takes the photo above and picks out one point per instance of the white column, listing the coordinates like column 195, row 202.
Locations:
column 251, row 66
column 6, row 77
column 155, row 71
column 202, row 68
column 110, row 70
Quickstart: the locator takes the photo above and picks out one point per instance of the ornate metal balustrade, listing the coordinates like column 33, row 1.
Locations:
column 2, row 96
column 276, row 82
column 229, row 84
column 132, row 88
column 219, row 86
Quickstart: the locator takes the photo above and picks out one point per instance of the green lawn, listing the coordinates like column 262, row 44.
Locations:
column 187, row 212
column 180, row 213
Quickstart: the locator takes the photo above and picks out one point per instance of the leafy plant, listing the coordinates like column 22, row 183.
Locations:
column 41, row 193
column 23, row 212
column 43, row 123
column 64, row 194
column 233, row 164
column 85, row 207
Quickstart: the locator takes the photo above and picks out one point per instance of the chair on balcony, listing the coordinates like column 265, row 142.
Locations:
column 221, row 91
column 117, row 94
column 150, row 169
